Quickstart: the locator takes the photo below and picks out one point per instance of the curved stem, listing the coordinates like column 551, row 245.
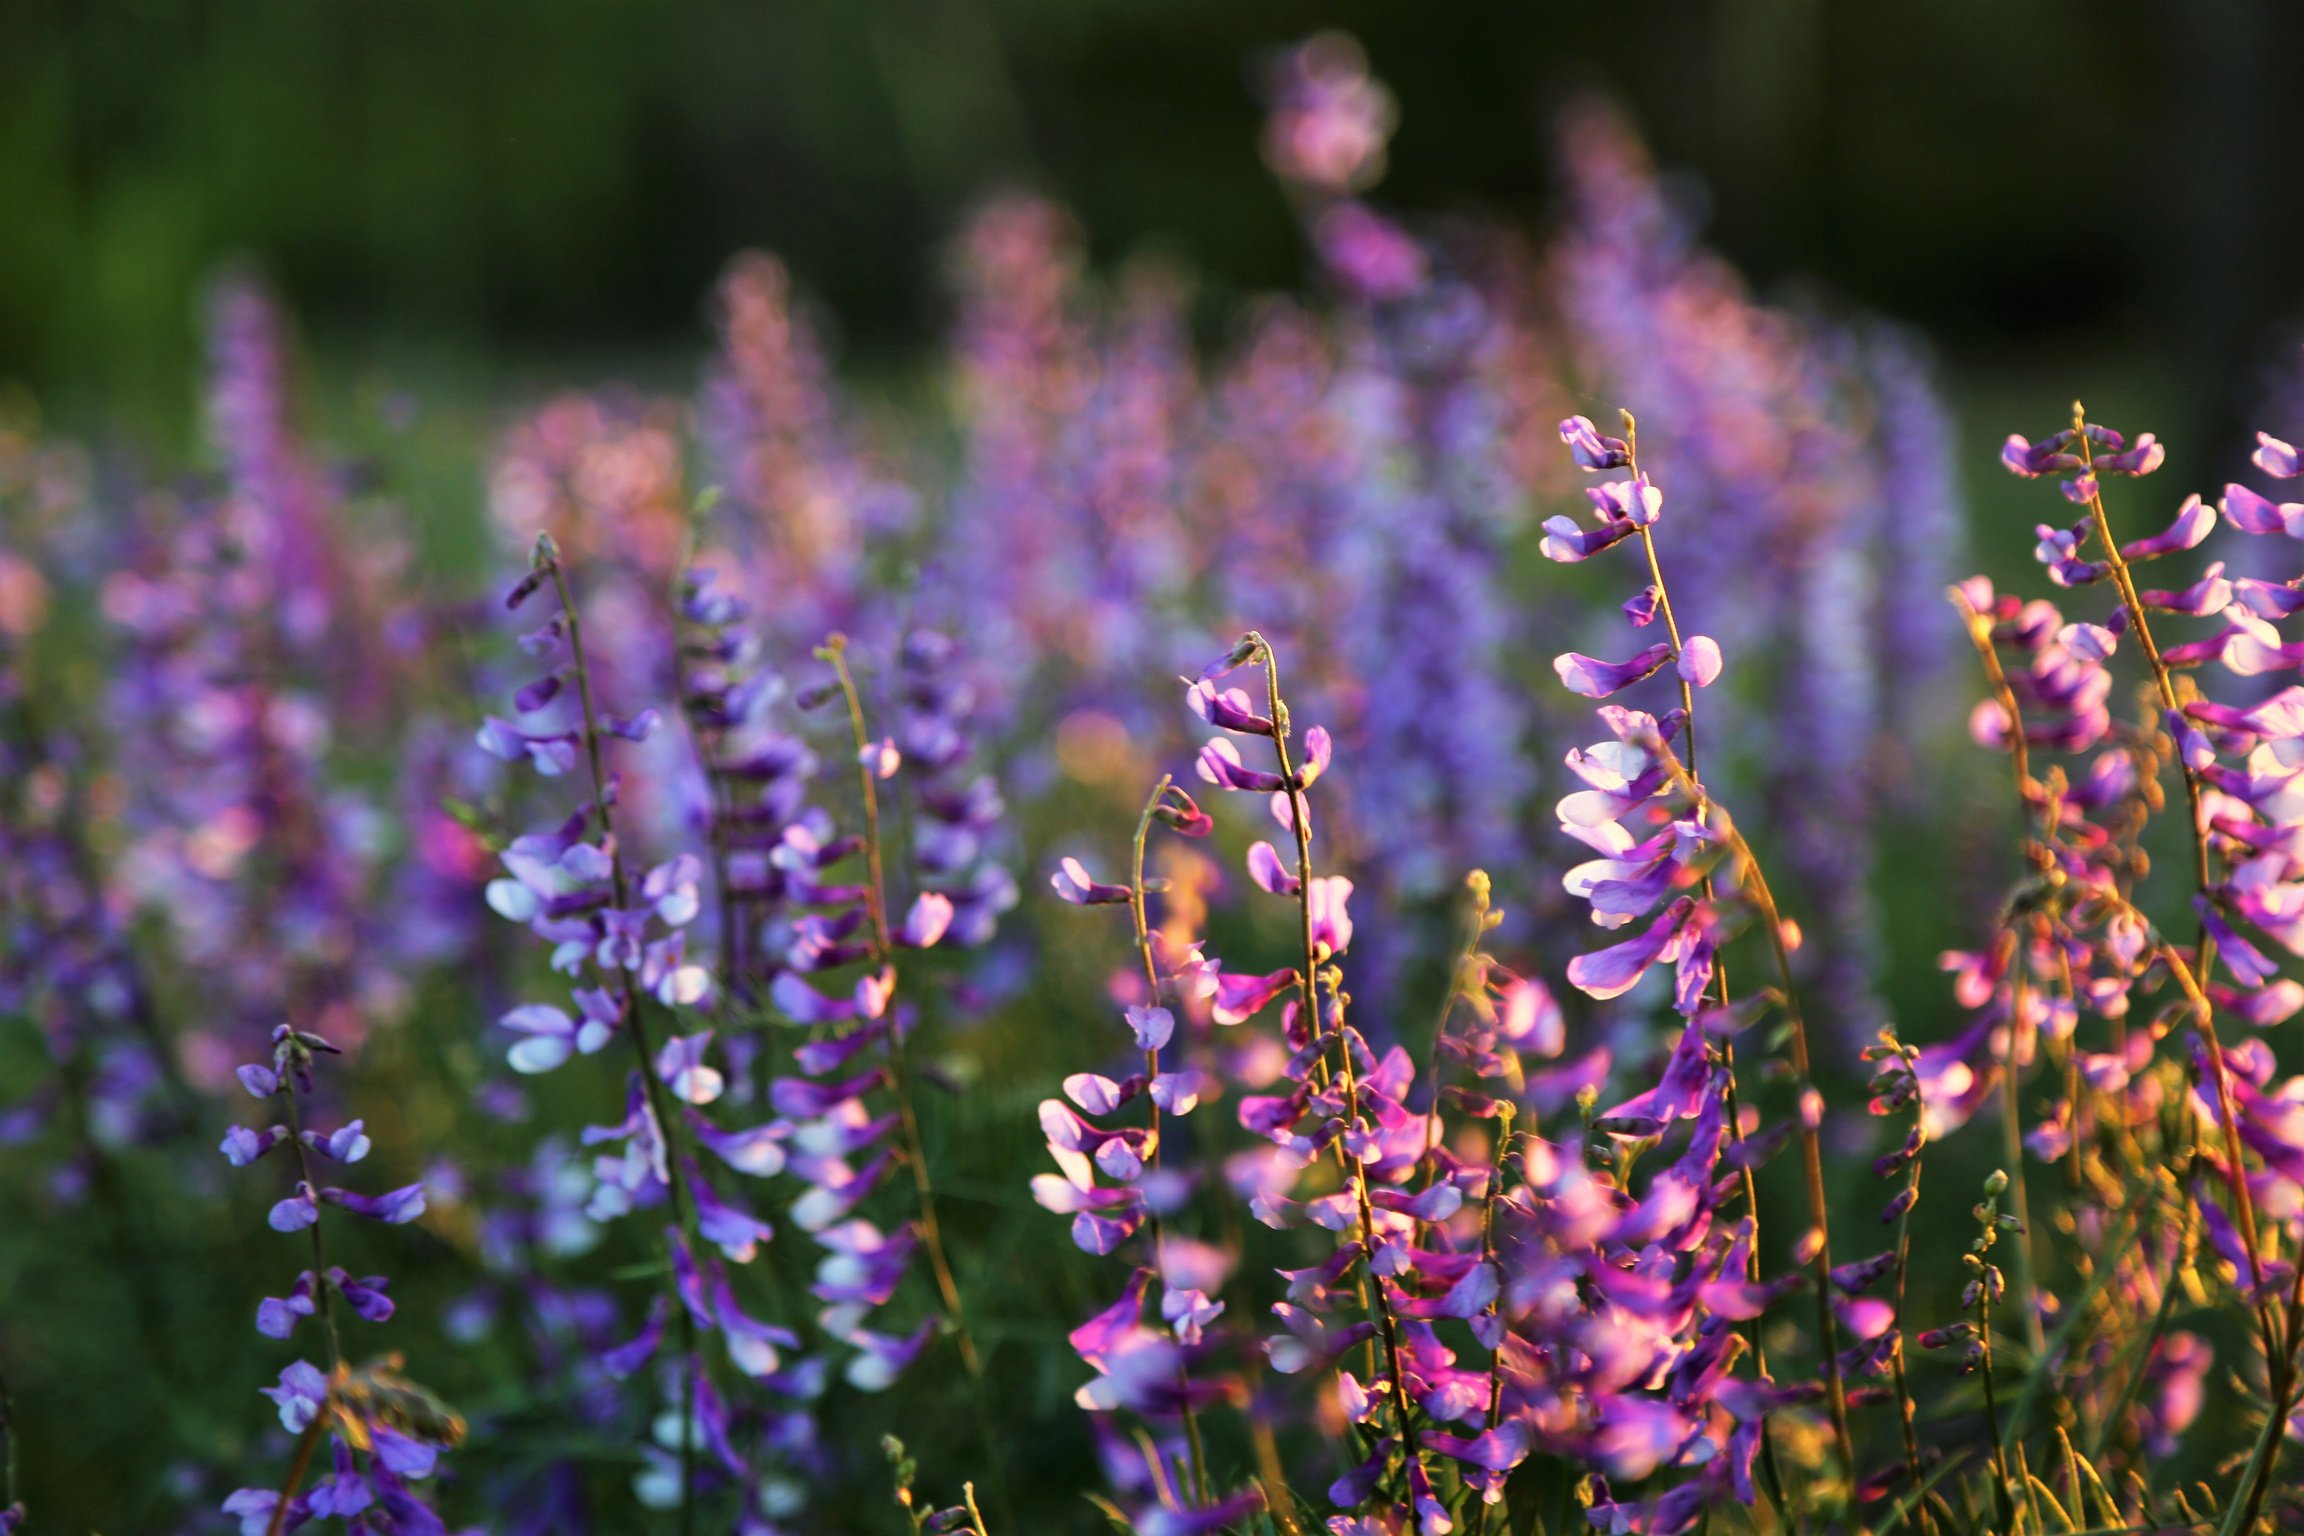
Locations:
column 2125, row 580
column 1300, row 818
column 1772, row 1471
column 1755, row 883
column 1142, row 919
column 1459, row 975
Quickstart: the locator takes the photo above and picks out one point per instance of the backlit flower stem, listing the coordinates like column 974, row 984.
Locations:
column 2244, row 1204
column 1755, row 884
column 1771, row 1470
column 2161, row 680
column 835, row 652
column 1299, row 814
column 1138, row 914
column 2278, row 1340
column 2279, row 1344
column 635, row 1018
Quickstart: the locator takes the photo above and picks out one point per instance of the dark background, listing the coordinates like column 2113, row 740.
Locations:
column 477, row 192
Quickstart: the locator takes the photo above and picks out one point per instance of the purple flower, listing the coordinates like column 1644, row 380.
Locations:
column 1072, row 882
column 1590, row 450
column 2275, row 457
column 1596, row 679
column 302, row 1393
column 1613, row 971
column 2194, row 522
column 396, row 1207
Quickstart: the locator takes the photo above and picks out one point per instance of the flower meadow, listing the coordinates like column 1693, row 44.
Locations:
column 1281, row 934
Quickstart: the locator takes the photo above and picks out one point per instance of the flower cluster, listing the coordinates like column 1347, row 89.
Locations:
column 851, row 1101
column 243, row 838
column 384, row 1432
column 622, row 935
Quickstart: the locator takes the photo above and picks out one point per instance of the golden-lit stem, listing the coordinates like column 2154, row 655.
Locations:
column 1755, row 883
column 1299, row 815
column 1138, row 914
column 297, row 1468
column 1771, row 1470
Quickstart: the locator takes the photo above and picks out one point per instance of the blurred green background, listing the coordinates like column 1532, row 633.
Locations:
column 469, row 193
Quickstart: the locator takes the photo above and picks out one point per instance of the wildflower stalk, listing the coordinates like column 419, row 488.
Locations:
column 635, row 1016
column 834, row 651
column 2161, row 680
column 1142, row 921
column 1771, row 1470
column 1755, row 883
column 1299, row 815
column 319, row 1254
column 2279, row 1352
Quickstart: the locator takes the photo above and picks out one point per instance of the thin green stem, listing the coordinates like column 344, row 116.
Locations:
column 2000, row 1471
